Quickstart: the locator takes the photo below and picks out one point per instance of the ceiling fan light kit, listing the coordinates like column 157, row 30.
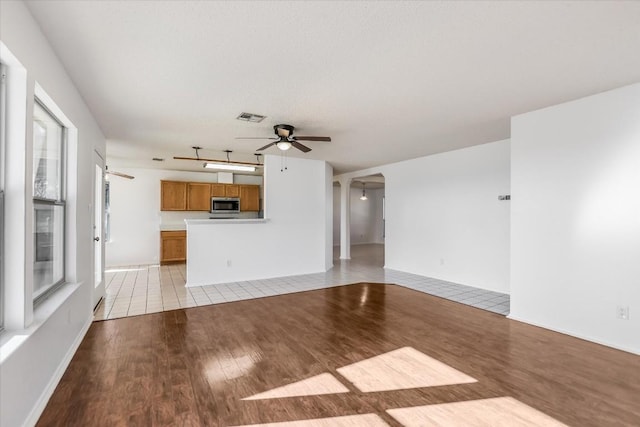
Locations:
column 283, row 145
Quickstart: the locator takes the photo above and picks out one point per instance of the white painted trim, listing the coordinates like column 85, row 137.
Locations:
column 16, row 313
column 46, row 394
column 580, row 336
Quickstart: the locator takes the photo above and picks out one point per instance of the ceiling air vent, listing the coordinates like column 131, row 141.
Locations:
column 248, row 117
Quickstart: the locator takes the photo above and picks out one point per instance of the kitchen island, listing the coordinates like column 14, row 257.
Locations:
column 235, row 250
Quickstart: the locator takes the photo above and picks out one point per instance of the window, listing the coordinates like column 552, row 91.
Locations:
column 48, row 202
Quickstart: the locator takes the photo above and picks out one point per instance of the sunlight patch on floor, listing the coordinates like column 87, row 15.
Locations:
column 496, row 412
column 402, row 369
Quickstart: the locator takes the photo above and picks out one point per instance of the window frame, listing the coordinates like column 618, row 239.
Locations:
column 51, row 202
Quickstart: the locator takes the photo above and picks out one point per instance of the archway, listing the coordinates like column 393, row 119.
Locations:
column 367, row 220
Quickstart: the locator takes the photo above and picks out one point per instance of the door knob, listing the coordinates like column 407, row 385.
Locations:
column 97, row 238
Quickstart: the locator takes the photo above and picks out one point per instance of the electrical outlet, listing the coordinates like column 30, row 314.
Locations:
column 441, row 261
column 228, row 263
column 622, row 312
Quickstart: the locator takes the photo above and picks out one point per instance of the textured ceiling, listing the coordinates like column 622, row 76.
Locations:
column 387, row 81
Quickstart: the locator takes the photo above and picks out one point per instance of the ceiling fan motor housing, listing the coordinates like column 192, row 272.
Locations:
column 283, row 131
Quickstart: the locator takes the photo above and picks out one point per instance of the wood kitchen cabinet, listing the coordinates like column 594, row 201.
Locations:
column 198, row 196
column 232, row 190
column 218, row 190
column 173, row 246
column 173, row 196
column 249, row 198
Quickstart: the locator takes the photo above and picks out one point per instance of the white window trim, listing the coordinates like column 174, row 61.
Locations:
column 17, row 313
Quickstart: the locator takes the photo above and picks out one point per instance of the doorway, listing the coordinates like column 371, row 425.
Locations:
column 367, row 220
column 98, row 229
column 366, row 226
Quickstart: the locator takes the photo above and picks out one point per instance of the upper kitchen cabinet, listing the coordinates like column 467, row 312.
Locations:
column 218, row 190
column 173, row 196
column 198, row 196
column 249, row 198
column 232, row 190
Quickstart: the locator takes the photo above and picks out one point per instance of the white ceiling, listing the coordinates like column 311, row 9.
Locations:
column 387, row 81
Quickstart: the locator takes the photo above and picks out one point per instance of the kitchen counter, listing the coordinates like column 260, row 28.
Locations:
column 173, row 226
column 190, row 222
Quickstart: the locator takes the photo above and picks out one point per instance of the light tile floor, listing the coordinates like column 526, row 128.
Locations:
column 141, row 289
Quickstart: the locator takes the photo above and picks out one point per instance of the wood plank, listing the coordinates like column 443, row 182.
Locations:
column 195, row 366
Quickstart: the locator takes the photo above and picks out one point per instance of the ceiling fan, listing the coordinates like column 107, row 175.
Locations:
column 285, row 139
column 114, row 173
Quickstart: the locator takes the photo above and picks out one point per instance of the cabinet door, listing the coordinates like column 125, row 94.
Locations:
column 218, row 190
column 232, row 190
column 173, row 246
column 198, row 196
column 173, row 196
column 249, row 198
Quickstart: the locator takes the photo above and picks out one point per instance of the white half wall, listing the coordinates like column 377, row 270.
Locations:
column 444, row 219
column 295, row 239
column 135, row 212
column 575, row 235
column 366, row 216
column 35, row 353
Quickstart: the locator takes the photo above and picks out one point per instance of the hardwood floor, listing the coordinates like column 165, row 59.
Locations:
column 230, row 364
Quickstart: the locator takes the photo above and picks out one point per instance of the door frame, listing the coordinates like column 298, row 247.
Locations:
column 98, row 288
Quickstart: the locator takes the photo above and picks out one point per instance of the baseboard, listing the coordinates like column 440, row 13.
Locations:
column 580, row 336
column 38, row 408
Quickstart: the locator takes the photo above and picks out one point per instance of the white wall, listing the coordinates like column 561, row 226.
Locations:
column 575, row 233
column 444, row 219
column 34, row 355
column 295, row 239
column 366, row 216
column 135, row 212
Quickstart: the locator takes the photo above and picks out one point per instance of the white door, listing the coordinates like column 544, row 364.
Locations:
column 98, row 229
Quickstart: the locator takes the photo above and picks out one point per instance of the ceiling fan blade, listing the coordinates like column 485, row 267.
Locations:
column 256, row 137
column 266, row 146
column 313, row 138
column 300, row 147
column 120, row 174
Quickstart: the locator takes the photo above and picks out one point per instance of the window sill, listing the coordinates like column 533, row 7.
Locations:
column 12, row 339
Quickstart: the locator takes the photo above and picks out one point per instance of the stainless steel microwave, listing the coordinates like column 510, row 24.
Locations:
column 225, row 205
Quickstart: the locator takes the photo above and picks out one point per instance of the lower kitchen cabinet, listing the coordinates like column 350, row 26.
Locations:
column 173, row 246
